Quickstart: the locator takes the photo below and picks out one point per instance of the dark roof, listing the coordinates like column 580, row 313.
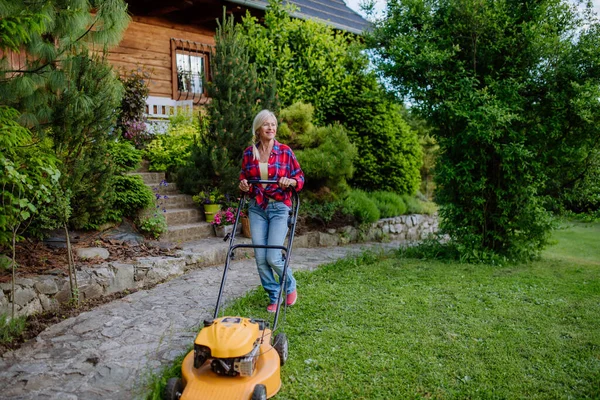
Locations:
column 332, row 12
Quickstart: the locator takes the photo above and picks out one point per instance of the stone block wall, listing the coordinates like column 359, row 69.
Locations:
column 43, row 293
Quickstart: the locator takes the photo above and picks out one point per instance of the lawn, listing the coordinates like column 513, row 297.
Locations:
column 386, row 327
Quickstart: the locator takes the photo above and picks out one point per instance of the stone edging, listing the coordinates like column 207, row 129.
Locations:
column 44, row 292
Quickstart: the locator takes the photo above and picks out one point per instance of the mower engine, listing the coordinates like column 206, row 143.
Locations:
column 233, row 344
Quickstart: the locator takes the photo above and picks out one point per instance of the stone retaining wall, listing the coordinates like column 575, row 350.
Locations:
column 42, row 293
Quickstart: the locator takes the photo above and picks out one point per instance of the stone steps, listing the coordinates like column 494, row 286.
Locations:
column 182, row 216
column 185, row 221
column 178, row 201
column 188, row 232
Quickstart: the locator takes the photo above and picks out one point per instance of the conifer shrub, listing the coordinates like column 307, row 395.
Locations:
column 80, row 129
column 324, row 153
column 360, row 205
column 125, row 156
column 132, row 195
column 389, row 204
column 235, row 99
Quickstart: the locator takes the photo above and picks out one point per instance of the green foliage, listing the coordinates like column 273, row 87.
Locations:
column 52, row 32
column 153, row 224
column 360, row 205
column 11, row 328
column 414, row 205
column 125, row 156
column 511, row 125
column 18, row 30
column 584, row 195
column 80, row 129
column 389, row 204
column 216, row 160
column 306, row 56
column 318, row 65
column 28, row 176
column 65, row 93
column 389, row 153
column 132, row 195
column 132, row 115
column 325, row 153
column 171, row 151
column 321, row 211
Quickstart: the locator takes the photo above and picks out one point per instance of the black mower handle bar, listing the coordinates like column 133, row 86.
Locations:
column 263, row 181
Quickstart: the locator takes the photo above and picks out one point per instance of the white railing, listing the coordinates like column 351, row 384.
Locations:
column 159, row 109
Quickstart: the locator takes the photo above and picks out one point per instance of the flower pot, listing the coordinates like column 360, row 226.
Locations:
column 221, row 231
column 210, row 210
column 246, row 227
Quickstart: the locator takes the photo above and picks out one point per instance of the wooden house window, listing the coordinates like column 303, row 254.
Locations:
column 190, row 62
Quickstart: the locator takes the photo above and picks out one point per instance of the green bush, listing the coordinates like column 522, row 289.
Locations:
column 307, row 56
column 325, row 154
column 125, row 156
column 132, row 116
column 81, row 126
column 416, row 206
column 131, row 195
column 153, row 224
column 170, row 151
column 389, row 204
column 28, row 177
column 389, row 153
column 321, row 211
column 359, row 204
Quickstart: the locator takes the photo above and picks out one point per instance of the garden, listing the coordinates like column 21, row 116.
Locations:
column 488, row 117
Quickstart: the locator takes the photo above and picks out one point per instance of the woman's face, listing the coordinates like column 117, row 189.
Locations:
column 268, row 129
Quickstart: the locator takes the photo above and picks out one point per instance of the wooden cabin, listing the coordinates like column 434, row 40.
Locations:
column 173, row 41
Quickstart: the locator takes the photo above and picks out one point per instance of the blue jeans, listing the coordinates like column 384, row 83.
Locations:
column 269, row 227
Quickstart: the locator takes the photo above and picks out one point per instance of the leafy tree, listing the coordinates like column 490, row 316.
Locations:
column 511, row 89
column 306, row 57
column 132, row 115
column 28, row 178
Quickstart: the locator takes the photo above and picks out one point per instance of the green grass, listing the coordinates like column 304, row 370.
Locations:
column 385, row 327
column 576, row 242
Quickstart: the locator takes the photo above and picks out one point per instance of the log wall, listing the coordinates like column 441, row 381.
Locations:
column 147, row 44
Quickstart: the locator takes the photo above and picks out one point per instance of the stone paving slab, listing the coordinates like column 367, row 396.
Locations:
column 109, row 352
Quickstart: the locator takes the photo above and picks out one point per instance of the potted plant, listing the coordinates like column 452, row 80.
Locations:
column 245, row 222
column 223, row 221
column 209, row 199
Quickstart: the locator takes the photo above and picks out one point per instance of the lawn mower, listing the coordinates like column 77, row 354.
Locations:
column 237, row 357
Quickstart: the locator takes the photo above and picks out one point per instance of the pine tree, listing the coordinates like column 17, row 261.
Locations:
column 54, row 74
column 216, row 161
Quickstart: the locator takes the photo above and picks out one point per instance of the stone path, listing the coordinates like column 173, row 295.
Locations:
column 110, row 352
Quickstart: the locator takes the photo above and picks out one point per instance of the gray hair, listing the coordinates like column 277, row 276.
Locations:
column 259, row 120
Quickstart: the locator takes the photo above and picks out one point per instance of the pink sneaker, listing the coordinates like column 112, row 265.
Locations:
column 272, row 308
column 291, row 298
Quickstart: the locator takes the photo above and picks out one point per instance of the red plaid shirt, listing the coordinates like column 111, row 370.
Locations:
column 282, row 163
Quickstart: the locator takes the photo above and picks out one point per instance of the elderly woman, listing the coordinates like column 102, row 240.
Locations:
column 268, row 209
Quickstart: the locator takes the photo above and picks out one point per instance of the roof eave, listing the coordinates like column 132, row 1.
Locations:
column 262, row 6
